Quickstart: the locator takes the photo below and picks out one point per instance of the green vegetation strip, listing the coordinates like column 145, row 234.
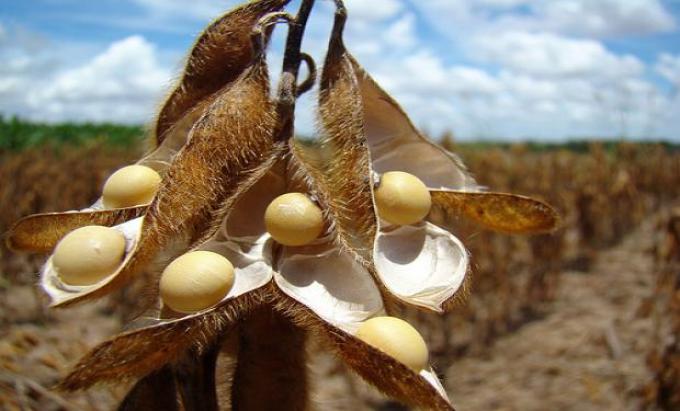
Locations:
column 17, row 134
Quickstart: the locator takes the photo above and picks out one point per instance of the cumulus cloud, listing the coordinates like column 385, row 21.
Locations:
column 669, row 67
column 122, row 84
column 594, row 18
column 374, row 10
column 545, row 54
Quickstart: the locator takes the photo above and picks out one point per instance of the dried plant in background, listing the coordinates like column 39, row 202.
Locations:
column 225, row 152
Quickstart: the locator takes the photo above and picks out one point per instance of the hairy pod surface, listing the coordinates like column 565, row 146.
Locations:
column 220, row 55
column 228, row 144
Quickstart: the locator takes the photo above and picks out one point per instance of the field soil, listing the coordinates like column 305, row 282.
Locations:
column 585, row 351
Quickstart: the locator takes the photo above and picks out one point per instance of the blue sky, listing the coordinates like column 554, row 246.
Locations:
column 486, row 69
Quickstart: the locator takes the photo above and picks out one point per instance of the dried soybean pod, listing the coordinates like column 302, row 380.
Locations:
column 396, row 144
column 40, row 233
column 205, row 175
column 136, row 353
column 507, row 213
column 219, row 56
column 420, row 389
column 340, row 166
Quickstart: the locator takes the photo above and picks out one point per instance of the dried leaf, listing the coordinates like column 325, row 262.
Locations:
column 506, row 213
column 340, row 166
column 220, row 55
column 232, row 142
column 40, row 233
column 134, row 354
column 396, row 145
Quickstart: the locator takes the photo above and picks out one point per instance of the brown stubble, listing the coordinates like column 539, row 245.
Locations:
column 219, row 57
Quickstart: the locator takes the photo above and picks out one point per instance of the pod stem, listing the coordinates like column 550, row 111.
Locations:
column 292, row 58
column 271, row 372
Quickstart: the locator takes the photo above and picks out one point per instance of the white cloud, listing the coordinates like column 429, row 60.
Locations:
column 373, row 10
column 402, row 33
column 597, row 18
column 604, row 17
column 546, row 54
column 121, row 84
column 669, row 67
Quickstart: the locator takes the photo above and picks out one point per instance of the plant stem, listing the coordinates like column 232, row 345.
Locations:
column 196, row 380
column 291, row 68
column 271, row 373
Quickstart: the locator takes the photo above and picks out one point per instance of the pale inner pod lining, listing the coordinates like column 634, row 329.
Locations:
column 252, row 263
column 431, row 377
column 332, row 284
column 245, row 222
column 421, row 264
column 437, row 172
column 59, row 291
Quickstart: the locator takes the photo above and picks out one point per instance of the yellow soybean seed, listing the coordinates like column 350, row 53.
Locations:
column 293, row 219
column 131, row 186
column 397, row 338
column 195, row 281
column 402, row 198
column 87, row 255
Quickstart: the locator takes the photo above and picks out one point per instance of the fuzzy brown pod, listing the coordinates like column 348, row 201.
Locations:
column 40, row 233
column 220, row 55
column 396, row 144
column 340, row 165
column 136, row 353
column 228, row 144
column 420, row 265
column 419, row 389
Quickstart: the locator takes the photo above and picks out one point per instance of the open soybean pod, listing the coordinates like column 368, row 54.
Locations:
column 421, row 264
column 396, row 145
column 228, row 144
column 243, row 240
